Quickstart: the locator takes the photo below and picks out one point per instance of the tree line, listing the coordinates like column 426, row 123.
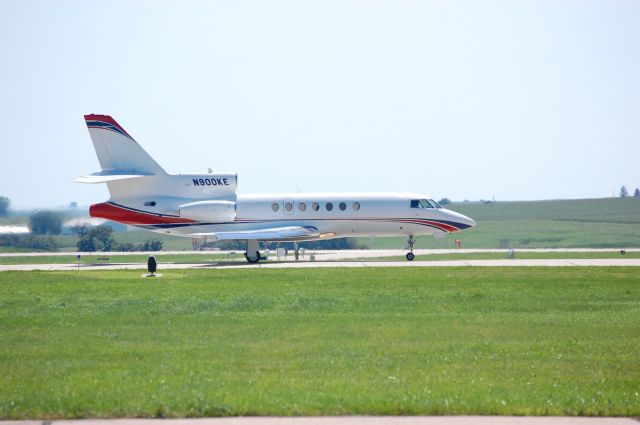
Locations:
column 624, row 193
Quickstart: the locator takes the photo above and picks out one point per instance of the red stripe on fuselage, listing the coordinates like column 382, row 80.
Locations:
column 127, row 216
column 441, row 226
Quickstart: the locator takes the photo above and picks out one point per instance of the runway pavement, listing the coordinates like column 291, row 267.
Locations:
column 635, row 262
column 350, row 420
column 326, row 254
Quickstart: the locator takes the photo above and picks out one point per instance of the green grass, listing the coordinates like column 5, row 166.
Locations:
column 117, row 259
column 602, row 210
column 541, row 341
column 170, row 243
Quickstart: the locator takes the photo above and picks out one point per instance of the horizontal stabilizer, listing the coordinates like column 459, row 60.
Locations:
column 273, row 234
column 107, row 176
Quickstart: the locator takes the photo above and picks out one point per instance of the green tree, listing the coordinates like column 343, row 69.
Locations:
column 46, row 223
column 4, row 205
column 636, row 193
column 95, row 239
column 623, row 192
column 444, row 201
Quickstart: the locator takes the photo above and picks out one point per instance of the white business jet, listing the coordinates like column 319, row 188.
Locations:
column 207, row 205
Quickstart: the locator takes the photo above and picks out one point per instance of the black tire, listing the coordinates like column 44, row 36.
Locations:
column 410, row 256
column 252, row 260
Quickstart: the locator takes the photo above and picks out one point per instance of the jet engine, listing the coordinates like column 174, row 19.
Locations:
column 209, row 211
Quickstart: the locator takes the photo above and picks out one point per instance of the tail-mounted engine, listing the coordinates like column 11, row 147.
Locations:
column 209, row 211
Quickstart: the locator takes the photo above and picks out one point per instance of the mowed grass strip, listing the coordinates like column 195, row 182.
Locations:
column 541, row 341
column 121, row 259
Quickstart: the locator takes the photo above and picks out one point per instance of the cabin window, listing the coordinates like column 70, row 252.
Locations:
column 288, row 207
column 342, row 206
column 415, row 203
column 356, row 206
column 315, row 206
column 150, row 204
column 329, row 206
column 275, row 206
column 302, row 206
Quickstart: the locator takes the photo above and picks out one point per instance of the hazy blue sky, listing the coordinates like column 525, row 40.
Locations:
column 464, row 99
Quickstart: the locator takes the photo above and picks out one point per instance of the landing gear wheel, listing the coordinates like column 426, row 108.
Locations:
column 252, row 259
column 411, row 241
column 253, row 246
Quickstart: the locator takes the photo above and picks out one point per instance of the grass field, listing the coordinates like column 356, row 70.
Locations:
column 588, row 223
column 115, row 259
column 169, row 243
column 542, row 341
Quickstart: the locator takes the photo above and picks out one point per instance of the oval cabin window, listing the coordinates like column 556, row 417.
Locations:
column 315, row 206
column 288, row 207
column 342, row 206
column 329, row 206
column 302, row 206
column 356, row 206
column 275, row 207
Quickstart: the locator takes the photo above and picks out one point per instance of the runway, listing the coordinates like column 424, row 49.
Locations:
column 343, row 254
column 611, row 262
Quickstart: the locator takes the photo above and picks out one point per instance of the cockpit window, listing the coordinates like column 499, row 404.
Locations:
column 424, row 203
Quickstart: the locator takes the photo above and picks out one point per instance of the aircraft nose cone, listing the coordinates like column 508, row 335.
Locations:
column 463, row 220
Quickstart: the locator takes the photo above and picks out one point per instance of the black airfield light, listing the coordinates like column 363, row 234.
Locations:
column 152, row 265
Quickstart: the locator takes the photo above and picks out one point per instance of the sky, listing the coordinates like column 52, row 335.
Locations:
column 482, row 99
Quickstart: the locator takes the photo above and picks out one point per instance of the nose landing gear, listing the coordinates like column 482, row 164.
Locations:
column 411, row 241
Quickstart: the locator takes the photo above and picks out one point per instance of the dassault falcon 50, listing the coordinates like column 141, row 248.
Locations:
column 207, row 205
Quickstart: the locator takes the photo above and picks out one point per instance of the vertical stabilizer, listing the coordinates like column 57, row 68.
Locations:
column 117, row 151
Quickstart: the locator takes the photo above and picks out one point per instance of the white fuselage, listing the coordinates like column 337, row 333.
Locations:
column 333, row 214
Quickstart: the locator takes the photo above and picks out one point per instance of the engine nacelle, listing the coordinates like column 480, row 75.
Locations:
column 209, row 211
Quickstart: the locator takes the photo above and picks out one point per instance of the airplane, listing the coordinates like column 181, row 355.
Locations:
column 142, row 194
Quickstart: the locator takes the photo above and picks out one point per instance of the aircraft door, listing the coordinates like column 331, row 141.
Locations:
column 288, row 206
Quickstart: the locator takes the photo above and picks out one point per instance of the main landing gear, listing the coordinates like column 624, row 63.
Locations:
column 411, row 241
column 252, row 254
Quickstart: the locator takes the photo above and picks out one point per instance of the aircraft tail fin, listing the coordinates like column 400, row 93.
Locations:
column 117, row 151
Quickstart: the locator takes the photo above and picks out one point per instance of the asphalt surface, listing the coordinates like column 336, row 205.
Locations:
column 325, row 254
column 350, row 420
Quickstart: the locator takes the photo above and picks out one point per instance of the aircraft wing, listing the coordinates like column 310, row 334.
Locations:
column 291, row 233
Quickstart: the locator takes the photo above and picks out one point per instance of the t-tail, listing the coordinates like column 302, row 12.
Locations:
column 141, row 192
column 120, row 156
